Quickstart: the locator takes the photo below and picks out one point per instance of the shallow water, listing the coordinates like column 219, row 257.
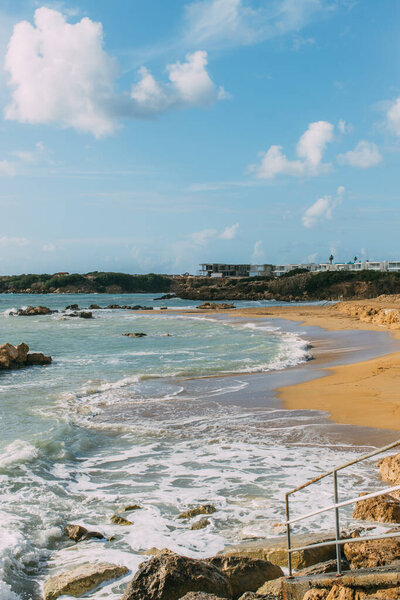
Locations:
column 116, row 420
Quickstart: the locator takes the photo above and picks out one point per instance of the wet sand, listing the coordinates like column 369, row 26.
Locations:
column 364, row 393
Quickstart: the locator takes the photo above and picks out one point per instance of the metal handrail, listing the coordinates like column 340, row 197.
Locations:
column 337, row 541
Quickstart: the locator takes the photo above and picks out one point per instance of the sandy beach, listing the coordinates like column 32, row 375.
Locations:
column 364, row 393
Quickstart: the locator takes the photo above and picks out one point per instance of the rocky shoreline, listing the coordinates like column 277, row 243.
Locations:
column 253, row 571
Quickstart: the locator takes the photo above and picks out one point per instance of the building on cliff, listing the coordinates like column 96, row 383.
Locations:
column 268, row 270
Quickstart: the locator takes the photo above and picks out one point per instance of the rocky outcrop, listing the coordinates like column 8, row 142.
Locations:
column 81, row 580
column 278, row 555
column 15, row 357
column 203, row 509
column 341, row 592
column 166, row 297
column 384, row 509
column 389, row 470
column 389, row 317
column 130, row 507
column 31, row 311
column 79, row 533
column 200, row 596
column 246, row 574
column 170, row 576
column 215, row 306
column 372, row 553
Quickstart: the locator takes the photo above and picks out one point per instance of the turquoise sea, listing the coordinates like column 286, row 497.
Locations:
column 179, row 417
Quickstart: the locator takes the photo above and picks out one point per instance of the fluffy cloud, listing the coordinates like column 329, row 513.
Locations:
column 189, row 85
column 49, row 247
column 393, row 117
column 216, row 23
column 60, row 73
column 364, row 155
column 322, row 208
column 310, row 148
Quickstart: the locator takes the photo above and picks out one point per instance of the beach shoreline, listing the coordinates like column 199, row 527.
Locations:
column 362, row 393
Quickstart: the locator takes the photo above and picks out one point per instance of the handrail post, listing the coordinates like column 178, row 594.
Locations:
column 288, row 536
column 337, row 524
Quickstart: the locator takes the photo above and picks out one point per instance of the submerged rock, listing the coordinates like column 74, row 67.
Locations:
column 72, row 307
column 81, row 580
column 215, row 306
column 117, row 520
column 86, row 314
column 204, row 509
column 32, row 311
column 385, row 509
column 94, row 307
column 137, row 334
column 170, row 576
column 14, row 357
column 200, row 524
column 131, row 507
column 78, row 533
column 246, row 574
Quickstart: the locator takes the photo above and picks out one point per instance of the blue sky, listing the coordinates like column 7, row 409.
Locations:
column 151, row 136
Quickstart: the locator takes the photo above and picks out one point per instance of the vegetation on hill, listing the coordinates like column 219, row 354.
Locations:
column 296, row 285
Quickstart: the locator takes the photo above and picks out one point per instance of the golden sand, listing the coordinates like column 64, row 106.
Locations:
column 365, row 393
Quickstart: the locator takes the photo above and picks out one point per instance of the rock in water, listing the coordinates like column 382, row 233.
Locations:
column 200, row 524
column 81, row 580
column 86, row 314
column 384, row 509
column 204, row 509
column 13, row 357
column 78, row 533
column 117, row 520
column 170, row 576
column 138, row 334
column 246, row 574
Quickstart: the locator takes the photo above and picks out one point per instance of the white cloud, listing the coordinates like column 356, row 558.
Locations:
column 310, row 148
column 393, row 117
column 345, row 127
column 6, row 241
column 322, row 208
column 7, row 169
column 229, row 233
column 219, row 23
column 49, row 247
column 60, row 73
column 364, row 155
column 258, row 255
column 189, row 85
column 30, row 156
column 200, row 238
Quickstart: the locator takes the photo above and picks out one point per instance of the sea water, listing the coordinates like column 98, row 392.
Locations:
column 164, row 421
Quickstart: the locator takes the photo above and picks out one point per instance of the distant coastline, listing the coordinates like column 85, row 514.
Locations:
column 293, row 286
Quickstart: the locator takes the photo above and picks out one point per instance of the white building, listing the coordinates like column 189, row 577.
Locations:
column 389, row 266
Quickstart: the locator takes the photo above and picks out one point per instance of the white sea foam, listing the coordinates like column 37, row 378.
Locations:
column 17, row 452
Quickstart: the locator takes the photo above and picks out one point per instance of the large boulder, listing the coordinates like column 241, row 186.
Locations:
column 246, row 574
column 389, row 469
column 385, row 509
column 372, row 553
column 13, row 357
column 33, row 310
column 81, row 580
column 170, row 576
